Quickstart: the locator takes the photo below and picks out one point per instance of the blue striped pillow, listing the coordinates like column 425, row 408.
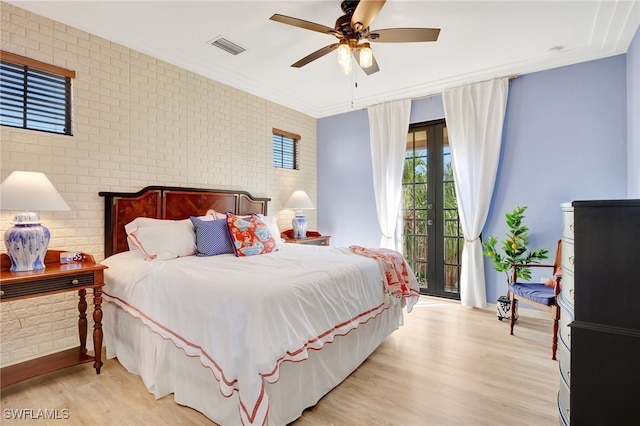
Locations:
column 212, row 237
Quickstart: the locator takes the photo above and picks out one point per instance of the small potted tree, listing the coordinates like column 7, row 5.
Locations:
column 513, row 251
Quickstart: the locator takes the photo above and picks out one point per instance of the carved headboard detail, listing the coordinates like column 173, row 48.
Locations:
column 166, row 202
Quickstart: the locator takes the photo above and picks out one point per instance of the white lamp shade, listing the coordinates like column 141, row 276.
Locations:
column 299, row 200
column 30, row 191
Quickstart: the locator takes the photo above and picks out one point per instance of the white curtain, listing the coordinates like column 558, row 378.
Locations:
column 388, row 127
column 475, row 115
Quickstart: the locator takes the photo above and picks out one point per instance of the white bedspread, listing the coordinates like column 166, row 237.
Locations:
column 244, row 316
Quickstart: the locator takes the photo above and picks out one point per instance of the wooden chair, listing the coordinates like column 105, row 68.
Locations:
column 542, row 296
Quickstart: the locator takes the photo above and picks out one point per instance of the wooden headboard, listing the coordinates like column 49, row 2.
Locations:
column 166, row 202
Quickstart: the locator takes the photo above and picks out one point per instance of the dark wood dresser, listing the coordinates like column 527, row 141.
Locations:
column 605, row 333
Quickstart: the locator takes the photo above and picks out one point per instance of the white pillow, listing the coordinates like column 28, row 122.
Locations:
column 139, row 222
column 143, row 222
column 162, row 239
column 272, row 223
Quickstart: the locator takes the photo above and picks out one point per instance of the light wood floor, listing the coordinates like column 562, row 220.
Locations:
column 447, row 365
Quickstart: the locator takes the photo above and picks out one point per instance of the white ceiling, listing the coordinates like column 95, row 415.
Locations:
column 479, row 40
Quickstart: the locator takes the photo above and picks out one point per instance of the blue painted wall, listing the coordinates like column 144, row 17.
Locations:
column 565, row 138
column 346, row 202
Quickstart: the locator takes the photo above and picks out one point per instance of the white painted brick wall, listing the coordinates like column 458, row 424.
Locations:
column 138, row 121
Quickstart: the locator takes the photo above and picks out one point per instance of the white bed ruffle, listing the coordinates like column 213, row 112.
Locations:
column 165, row 369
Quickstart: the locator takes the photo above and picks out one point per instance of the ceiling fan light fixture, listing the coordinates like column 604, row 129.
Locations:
column 353, row 27
column 366, row 55
column 344, row 52
column 345, row 67
column 344, row 57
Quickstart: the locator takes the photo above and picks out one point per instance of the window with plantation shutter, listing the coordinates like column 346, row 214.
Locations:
column 34, row 95
column 285, row 149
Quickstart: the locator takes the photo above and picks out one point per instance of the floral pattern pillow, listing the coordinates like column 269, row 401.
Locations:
column 249, row 235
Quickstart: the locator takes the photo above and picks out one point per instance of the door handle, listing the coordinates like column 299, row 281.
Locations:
column 429, row 222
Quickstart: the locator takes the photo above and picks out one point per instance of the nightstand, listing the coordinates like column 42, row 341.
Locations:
column 313, row 241
column 56, row 278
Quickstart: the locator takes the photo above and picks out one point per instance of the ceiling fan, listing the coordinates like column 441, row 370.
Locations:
column 353, row 33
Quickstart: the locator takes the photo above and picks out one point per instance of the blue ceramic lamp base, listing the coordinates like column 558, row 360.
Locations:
column 27, row 243
column 300, row 224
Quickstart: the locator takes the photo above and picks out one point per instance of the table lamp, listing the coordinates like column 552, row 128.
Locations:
column 27, row 241
column 299, row 201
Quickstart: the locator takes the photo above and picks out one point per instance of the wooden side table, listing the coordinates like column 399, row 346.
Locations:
column 315, row 241
column 56, row 278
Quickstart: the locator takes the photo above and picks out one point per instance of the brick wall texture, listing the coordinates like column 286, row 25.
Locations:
column 137, row 121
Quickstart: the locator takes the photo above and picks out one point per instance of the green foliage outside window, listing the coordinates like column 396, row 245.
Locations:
column 415, row 215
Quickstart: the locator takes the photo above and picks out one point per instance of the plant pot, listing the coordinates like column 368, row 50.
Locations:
column 503, row 308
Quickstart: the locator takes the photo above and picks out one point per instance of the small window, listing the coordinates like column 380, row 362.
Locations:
column 285, row 149
column 34, row 95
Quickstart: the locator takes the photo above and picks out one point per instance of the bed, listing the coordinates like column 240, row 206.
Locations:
column 246, row 339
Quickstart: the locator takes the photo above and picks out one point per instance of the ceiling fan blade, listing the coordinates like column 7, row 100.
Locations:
column 365, row 13
column 369, row 70
column 315, row 55
column 404, row 35
column 300, row 23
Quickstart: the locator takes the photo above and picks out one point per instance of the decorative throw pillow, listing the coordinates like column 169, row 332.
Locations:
column 249, row 235
column 212, row 237
column 166, row 239
column 272, row 223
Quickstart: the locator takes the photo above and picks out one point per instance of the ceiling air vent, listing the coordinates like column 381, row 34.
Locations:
column 226, row 45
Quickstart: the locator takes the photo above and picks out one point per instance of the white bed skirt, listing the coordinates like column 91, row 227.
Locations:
column 165, row 369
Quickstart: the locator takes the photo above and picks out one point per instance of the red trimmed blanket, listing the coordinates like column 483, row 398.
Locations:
column 399, row 278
